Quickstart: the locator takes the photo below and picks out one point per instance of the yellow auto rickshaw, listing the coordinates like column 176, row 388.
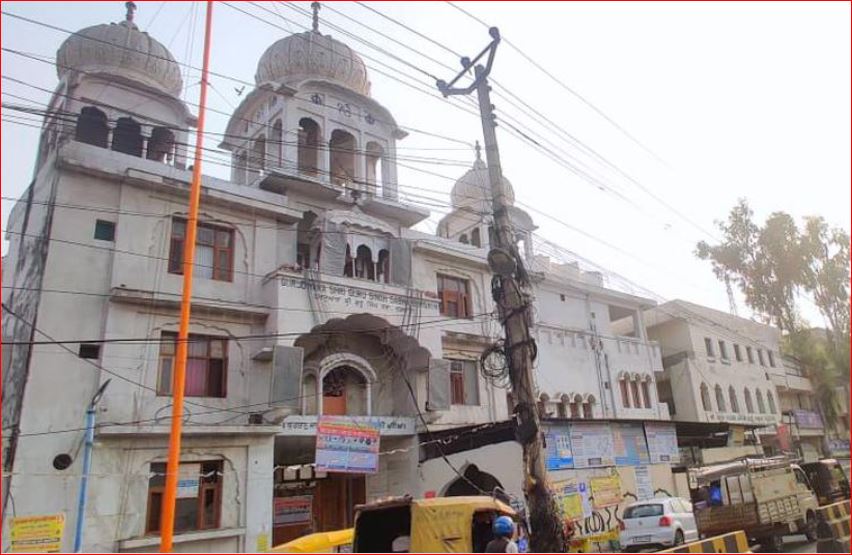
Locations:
column 338, row 541
column 437, row 525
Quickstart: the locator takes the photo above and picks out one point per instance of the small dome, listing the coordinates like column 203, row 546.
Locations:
column 312, row 55
column 473, row 188
column 120, row 49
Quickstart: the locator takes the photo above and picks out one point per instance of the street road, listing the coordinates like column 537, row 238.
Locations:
column 795, row 544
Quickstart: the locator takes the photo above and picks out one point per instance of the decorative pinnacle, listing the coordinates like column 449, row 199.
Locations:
column 315, row 7
column 478, row 152
column 131, row 8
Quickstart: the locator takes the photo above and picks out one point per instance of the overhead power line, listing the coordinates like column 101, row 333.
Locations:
column 559, row 82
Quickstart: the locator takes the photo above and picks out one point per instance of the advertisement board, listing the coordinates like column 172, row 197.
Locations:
column 295, row 510
column 629, row 447
column 606, row 491
column 558, row 455
column 591, row 444
column 662, row 442
column 37, row 534
column 346, row 445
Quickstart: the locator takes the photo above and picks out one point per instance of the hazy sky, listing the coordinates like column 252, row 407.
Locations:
column 734, row 100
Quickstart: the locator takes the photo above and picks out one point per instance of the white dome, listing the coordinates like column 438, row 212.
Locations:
column 312, row 55
column 120, row 49
column 473, row 188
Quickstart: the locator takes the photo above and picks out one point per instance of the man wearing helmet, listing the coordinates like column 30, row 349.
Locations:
column 504, row 531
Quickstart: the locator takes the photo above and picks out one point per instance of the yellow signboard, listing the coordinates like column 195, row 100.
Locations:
column 262, row 543
column 37, row 534
column 606, row 491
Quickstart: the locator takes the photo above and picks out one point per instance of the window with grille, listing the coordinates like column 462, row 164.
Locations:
column 199, row 499
column 454, row 295
column 214, row 251
column 206, row 365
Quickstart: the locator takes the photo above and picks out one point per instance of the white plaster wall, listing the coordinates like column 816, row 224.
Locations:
column 679, row 336
column 502, row 460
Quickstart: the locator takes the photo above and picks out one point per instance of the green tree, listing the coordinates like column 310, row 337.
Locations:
column 777, row 264
column 827, row 280
column 767, row 263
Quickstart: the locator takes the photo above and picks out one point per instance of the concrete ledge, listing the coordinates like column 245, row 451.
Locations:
column 151, row 541
column 106, row 430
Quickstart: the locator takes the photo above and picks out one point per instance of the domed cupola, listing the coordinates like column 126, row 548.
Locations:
column 120, row 50
column 473, row 190
column 312, row 55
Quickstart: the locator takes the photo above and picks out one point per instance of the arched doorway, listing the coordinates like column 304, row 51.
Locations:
column 474, row 482
column 344, row 392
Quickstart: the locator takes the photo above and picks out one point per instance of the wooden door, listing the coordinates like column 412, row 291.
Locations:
column 336, row 497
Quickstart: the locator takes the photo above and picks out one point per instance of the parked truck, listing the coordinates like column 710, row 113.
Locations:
column 767, row 498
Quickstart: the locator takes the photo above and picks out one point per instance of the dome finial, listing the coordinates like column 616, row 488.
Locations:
column 478, row 152
column 131, row 9
column 315, row 7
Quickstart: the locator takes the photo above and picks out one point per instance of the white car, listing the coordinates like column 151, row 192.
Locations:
column 655, row 523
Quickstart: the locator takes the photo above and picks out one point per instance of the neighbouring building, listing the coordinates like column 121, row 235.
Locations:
column 312, row 296
column 801, row 418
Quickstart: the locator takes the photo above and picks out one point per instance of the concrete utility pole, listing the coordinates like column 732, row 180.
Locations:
column 511, row 290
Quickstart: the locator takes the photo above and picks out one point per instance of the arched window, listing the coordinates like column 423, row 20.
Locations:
column 761, row 408
column 349, row 264
column 342, row 156
column 383, row 267
column 625, row 395
column 771, row 401
column 364, row 267
column 278, row 142
column 576, row 404
column 475, row 240
column 588, row 407
column 720, row 399
column 705, row 397
column 258, row 154
column 646, row 392
column 375, row 159
column 92, row 127
column 748, row 402
column 463, row 238
column 344, row 392
column 160, row 144
column 634, row 388
column 562, row 406
column 127, row 137
column 732, row 395
column 309, row 394
column 309, row 144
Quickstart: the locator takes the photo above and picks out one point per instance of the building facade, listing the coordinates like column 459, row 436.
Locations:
column 313, row 296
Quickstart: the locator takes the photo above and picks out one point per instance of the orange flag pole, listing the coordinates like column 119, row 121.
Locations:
column 167, row 521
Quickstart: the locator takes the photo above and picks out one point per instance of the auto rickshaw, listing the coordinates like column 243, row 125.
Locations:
column 338, row 541
column 438, row 525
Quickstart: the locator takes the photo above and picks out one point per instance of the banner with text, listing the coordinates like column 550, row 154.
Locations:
column 344, row 445
column 662, row 442
column 558, row 441
column 591, row 444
